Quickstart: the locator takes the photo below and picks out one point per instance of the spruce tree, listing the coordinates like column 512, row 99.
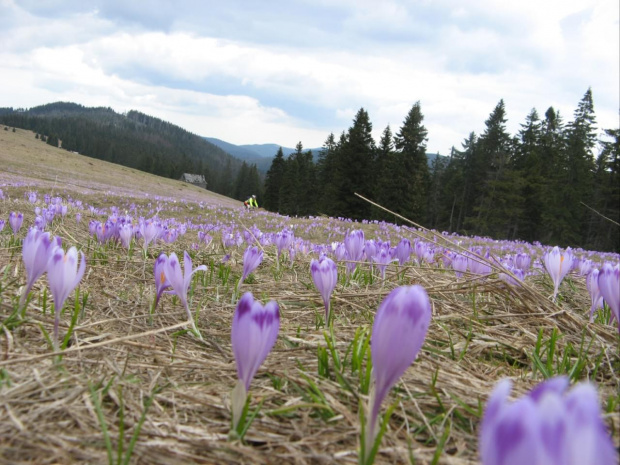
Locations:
column 580, row 142
column 273, row 182
column 528, row 165
column 325, row 176
column 604, row 235
column 353, row 169
column 496, row 210
column 410, row 144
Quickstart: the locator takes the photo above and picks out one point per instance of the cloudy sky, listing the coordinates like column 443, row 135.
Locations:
column 283, row 71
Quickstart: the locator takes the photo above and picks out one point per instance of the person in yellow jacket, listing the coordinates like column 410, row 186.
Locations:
column 251, row 202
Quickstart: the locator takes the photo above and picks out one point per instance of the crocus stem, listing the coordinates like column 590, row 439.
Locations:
column 238, row 400
column 56, row 324
column 370, row 427
column 190, row 318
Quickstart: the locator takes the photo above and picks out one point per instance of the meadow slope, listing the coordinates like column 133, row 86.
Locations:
column 128, row 368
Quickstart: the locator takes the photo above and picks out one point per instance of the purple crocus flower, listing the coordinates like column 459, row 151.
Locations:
column 354, row 245
column 522, row 261
column 180, row 281
column 161, row 280
column 2, row 223
column 125, row 232
column 254, row 332
column 459, row 265
column 477, row 265
column 517, row 272
column 78, row 217
column 63, row 276
column 149, row 230
column 609, row 285
column 382, row 259
column 252, row 257
column 15, row 221
column 340, row 252
column 595, row 292
column 370, row 250
column 548, row 426
column 558, row 264
column 283, row 240
column 36, row 253
column 325, row 276
column 585, row 266
column 403, row 251
column 398, row 332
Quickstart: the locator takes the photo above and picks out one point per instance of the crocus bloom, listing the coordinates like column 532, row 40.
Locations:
column 252, row 257
column 125, row 232
column 354, row 245
column 2, row 223
column 63, row 276
column 382, row 259
column 180, row 281
column 595, row 292
column 517, row 272
column 149, row 230
column 478, row 266
column 459, row 265
column 403, row 251
column 16, row 220
column 254, row 333
column 36, row 253
column 558, row 264
column 161, row 280
column 548, row 426
column 522, row 261
column 325, row 276
column 399, row 329
column 609, row 285
column 585, row 266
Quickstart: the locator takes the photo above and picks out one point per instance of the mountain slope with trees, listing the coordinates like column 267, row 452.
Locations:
column 135, row 140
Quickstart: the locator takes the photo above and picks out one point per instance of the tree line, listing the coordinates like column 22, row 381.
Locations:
column 554, row 182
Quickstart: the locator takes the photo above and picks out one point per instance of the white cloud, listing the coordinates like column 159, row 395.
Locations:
column 457, row 59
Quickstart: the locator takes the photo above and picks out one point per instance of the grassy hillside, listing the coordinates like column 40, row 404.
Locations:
column 132, row 381
column 133, row 139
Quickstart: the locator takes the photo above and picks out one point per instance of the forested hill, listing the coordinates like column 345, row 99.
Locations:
column 138, row 141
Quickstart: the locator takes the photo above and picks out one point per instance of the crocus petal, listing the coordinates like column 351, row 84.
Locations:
column 325, row 276
column 547, row 426
column 398, row 332
column 609, row 286
column 254, row 333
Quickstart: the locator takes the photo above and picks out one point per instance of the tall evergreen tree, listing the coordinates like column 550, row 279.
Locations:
column 580, row 142
column 604, row 234
column 326, row 189
column 273, row 182
column 528, row 165
column 353, row 169
column 496, row 212
column 554, row 166
column 410, row 143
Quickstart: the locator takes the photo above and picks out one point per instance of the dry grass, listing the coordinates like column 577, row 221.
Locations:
column 481, row 332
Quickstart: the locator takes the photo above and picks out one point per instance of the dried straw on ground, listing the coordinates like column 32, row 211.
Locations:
column 482, row 331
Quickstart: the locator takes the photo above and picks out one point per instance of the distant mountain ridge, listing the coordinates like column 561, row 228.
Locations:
column 262, row 154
